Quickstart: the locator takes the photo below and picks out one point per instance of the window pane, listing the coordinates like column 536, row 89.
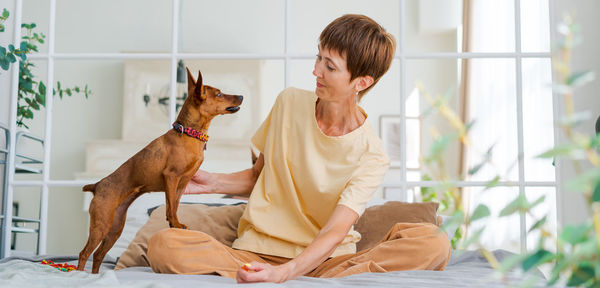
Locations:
column 26, row 205
column 232, row 26
column 77, row 120
column 115, row 122
column 310, row 17
column 538, row 122
column 35, row 127
column 488, row 99
column 535, row 26
column 545, row 209
column 508, row 226
column 113, row 26
column 66, row 217
column 443, row 26
column 33, row 11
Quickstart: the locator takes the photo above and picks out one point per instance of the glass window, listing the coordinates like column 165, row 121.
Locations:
column 113, row 26
column 231, row 26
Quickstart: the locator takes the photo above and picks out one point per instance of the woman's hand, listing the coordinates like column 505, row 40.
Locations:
column 262, row 272
column 201, row 183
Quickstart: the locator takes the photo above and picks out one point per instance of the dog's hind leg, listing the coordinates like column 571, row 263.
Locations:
column 115, row 231
column 172, row 200
column 102, row 211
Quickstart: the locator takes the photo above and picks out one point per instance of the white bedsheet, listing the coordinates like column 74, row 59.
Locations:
column 21, row 273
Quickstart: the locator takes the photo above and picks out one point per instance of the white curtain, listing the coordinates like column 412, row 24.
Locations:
column 490, row 94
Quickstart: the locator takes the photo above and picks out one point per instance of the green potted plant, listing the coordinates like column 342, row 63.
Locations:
column 575, row 258
column 31, row 92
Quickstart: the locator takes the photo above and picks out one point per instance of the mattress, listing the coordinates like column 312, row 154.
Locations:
column 465, row 269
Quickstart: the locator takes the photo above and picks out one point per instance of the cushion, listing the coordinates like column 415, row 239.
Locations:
column 219, row 222
column 376, row 221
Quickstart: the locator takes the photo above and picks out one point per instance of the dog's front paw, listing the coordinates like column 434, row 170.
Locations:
column 178, row 226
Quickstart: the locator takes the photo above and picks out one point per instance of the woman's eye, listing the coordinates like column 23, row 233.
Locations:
column 219, row 95
column 330, row 68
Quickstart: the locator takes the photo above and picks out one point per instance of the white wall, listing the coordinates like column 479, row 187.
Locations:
column 572, row 208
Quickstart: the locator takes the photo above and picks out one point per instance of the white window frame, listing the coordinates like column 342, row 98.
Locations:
column 174, row 55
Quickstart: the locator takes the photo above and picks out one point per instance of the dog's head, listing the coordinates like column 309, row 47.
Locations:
column 210, row 101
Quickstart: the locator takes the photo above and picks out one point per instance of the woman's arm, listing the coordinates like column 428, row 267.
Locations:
column 239, row 183
column 317, row 252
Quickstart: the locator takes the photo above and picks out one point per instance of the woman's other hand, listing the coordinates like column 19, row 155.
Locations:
column 201, row 183
column 262, row 272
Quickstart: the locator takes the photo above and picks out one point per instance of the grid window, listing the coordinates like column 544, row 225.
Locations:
column 498, row 51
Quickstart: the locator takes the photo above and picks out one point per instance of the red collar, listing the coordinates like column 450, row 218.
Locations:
column 190, row 132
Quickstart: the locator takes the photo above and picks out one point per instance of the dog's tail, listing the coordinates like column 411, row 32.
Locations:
column 89, row 187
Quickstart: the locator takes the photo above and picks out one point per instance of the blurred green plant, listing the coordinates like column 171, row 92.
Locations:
column 32, row 93
column 574, row 253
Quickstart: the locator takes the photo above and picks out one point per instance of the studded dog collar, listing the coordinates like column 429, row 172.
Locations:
column 190, row 132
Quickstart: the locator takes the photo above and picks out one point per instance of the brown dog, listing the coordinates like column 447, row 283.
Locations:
column 166, row 164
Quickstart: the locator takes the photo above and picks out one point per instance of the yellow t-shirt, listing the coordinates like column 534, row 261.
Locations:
column 306, row 174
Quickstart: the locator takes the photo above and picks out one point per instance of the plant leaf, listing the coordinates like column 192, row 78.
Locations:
column 4, row 64
column 537, row 202
column 520, row 203
column 581, row 274
column 42, row 88
column 455, row 220
column 596, row 195
column 5, row 13
column 493, row 183
column 438, row 147
column 41, row 98
column 584, row 181
column 560, row 150
column 580, row 78
column 28, row 114
column 537, row 258
column 575, row 234
column 474, row 238
column 510, row 262
column 574, row 119
column 480, row 212
column 487, row 157
column 538, row 224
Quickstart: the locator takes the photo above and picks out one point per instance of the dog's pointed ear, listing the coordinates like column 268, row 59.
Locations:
column 199, row 86
column 191, row 82
column 190, row 78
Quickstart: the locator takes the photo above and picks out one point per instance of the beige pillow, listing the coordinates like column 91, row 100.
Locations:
column 376, row 221
column 220, row 222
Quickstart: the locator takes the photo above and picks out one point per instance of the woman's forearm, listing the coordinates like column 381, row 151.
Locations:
column 239, row 183
column 323, row 245
column 316, row 253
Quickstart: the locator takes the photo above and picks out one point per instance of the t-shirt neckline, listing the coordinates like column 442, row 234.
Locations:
column 348, row 135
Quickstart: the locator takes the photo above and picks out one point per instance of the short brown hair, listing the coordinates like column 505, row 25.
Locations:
column 368, row 48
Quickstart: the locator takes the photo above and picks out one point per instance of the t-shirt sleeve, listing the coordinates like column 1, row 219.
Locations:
column 365, row 181
column 260, row 136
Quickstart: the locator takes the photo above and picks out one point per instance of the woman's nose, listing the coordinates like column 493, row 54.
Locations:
column 316, row 71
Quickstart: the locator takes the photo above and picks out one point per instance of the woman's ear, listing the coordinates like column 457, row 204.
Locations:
column 363, row 82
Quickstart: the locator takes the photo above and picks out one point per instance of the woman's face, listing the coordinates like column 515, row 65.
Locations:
column 333, row 77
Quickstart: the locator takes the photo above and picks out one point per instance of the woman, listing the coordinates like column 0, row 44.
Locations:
column 319, row 165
